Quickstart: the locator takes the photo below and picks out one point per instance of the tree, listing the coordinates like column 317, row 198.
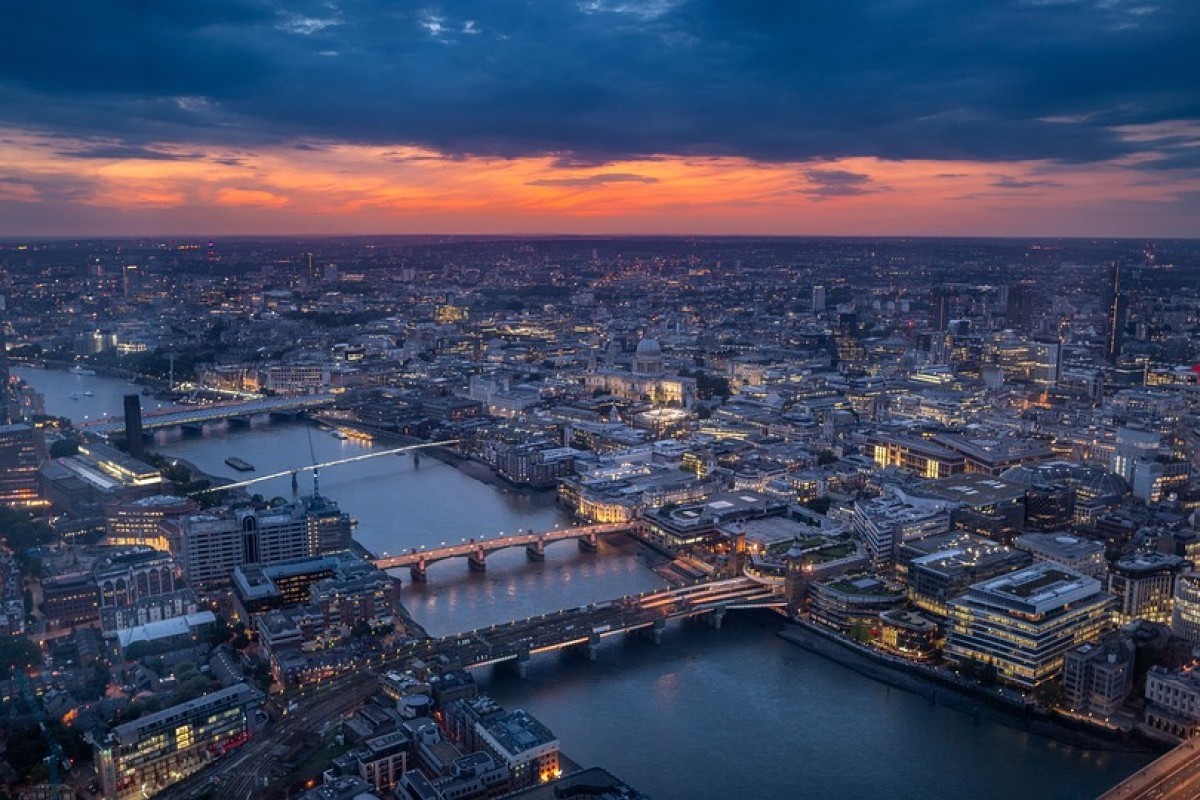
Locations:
column 97, row 679
column 25, row 750
column 220, row 632
column 1050, row 694
column 176, row 473
column 20, row 533
column 17, row 652
column 820, row 505
column 63, row 448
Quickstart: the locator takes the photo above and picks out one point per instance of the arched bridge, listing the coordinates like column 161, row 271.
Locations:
column 476, row 550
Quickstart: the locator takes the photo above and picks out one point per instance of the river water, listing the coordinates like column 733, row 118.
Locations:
column 706, row 714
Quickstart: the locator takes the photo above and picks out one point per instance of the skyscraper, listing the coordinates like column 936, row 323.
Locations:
column 1018, row 306
column 5, row 392
column 133, row 426
column 939, row 308
column 21, row 453
column 1115, row 307
column 818, row 299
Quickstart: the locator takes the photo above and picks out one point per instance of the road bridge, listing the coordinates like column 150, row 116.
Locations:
column 586, row 626
column 245, row 770
column 476, row 550
column 198, row 415
column 1174, row 776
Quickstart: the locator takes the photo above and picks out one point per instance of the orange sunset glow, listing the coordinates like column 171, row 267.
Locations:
column 354, row 189
column 607, row 116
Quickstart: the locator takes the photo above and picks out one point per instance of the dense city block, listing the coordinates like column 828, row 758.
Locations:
column 969, row 465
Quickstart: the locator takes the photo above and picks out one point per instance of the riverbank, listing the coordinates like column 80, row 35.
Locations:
column 414, row 628
column 465, row 464
column 975, row 701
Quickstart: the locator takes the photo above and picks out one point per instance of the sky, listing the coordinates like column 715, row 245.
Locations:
column 782, row 117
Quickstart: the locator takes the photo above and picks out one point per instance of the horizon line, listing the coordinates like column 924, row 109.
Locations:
column 15, row 238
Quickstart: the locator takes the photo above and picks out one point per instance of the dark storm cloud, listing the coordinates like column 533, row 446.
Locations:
column 126, row 151
column 839, row 183
column 595, row 180
column 592, row 81
column 1009, row 182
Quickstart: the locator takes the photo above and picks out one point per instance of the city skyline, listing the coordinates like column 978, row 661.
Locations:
column 1021, row 119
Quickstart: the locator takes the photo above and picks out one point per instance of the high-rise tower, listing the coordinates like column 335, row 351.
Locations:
column 1115, row 307
column 133, row 426
column 939, row 308
column 5, row 392
column 1018, row 306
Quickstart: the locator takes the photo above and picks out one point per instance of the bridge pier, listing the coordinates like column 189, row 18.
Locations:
column 536, row 551
column 593, row 646
column 716, row 618
column 588, row 543
column 417, row 571
column 656, row 632
column 523, row 664
column 477, row 560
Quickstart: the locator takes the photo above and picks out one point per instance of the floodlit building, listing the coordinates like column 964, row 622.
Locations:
column 1185, row 611
column 925, row 458
column 1173, row 702
column 213, row 543
column 885, row 523
column 140, row 758
column 1097, row 677
column 1144, row 585
column 140, row 522
column 939, row 568
column 1080, row 555
column 1023, row 623
column 21, row 453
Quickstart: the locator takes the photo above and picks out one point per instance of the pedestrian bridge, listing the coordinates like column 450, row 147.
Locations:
column 476, row 550
column 198, row 415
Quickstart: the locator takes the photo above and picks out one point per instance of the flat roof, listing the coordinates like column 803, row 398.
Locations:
column 161, row 629
column 129, row 732
column 973, row 489
column 518, row 731
column 1037, row 589
column 1058, row 544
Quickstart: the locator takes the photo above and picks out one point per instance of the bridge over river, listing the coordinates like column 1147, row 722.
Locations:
column 336, row 693
column 476, row 550
column 586, row 626
column 198, row 415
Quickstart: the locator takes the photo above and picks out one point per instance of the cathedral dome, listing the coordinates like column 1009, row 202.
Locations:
column 649, row 347
column 648, row 358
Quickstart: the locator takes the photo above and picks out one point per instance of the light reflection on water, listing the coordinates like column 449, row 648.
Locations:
column 706, row 714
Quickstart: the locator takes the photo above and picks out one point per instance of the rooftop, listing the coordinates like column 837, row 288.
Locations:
column 129, row 732
column 518, row 732
column 973, row 489
column 1036, row 590
column 1059, row 545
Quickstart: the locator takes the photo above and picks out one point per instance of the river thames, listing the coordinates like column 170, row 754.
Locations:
column 706, row 714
